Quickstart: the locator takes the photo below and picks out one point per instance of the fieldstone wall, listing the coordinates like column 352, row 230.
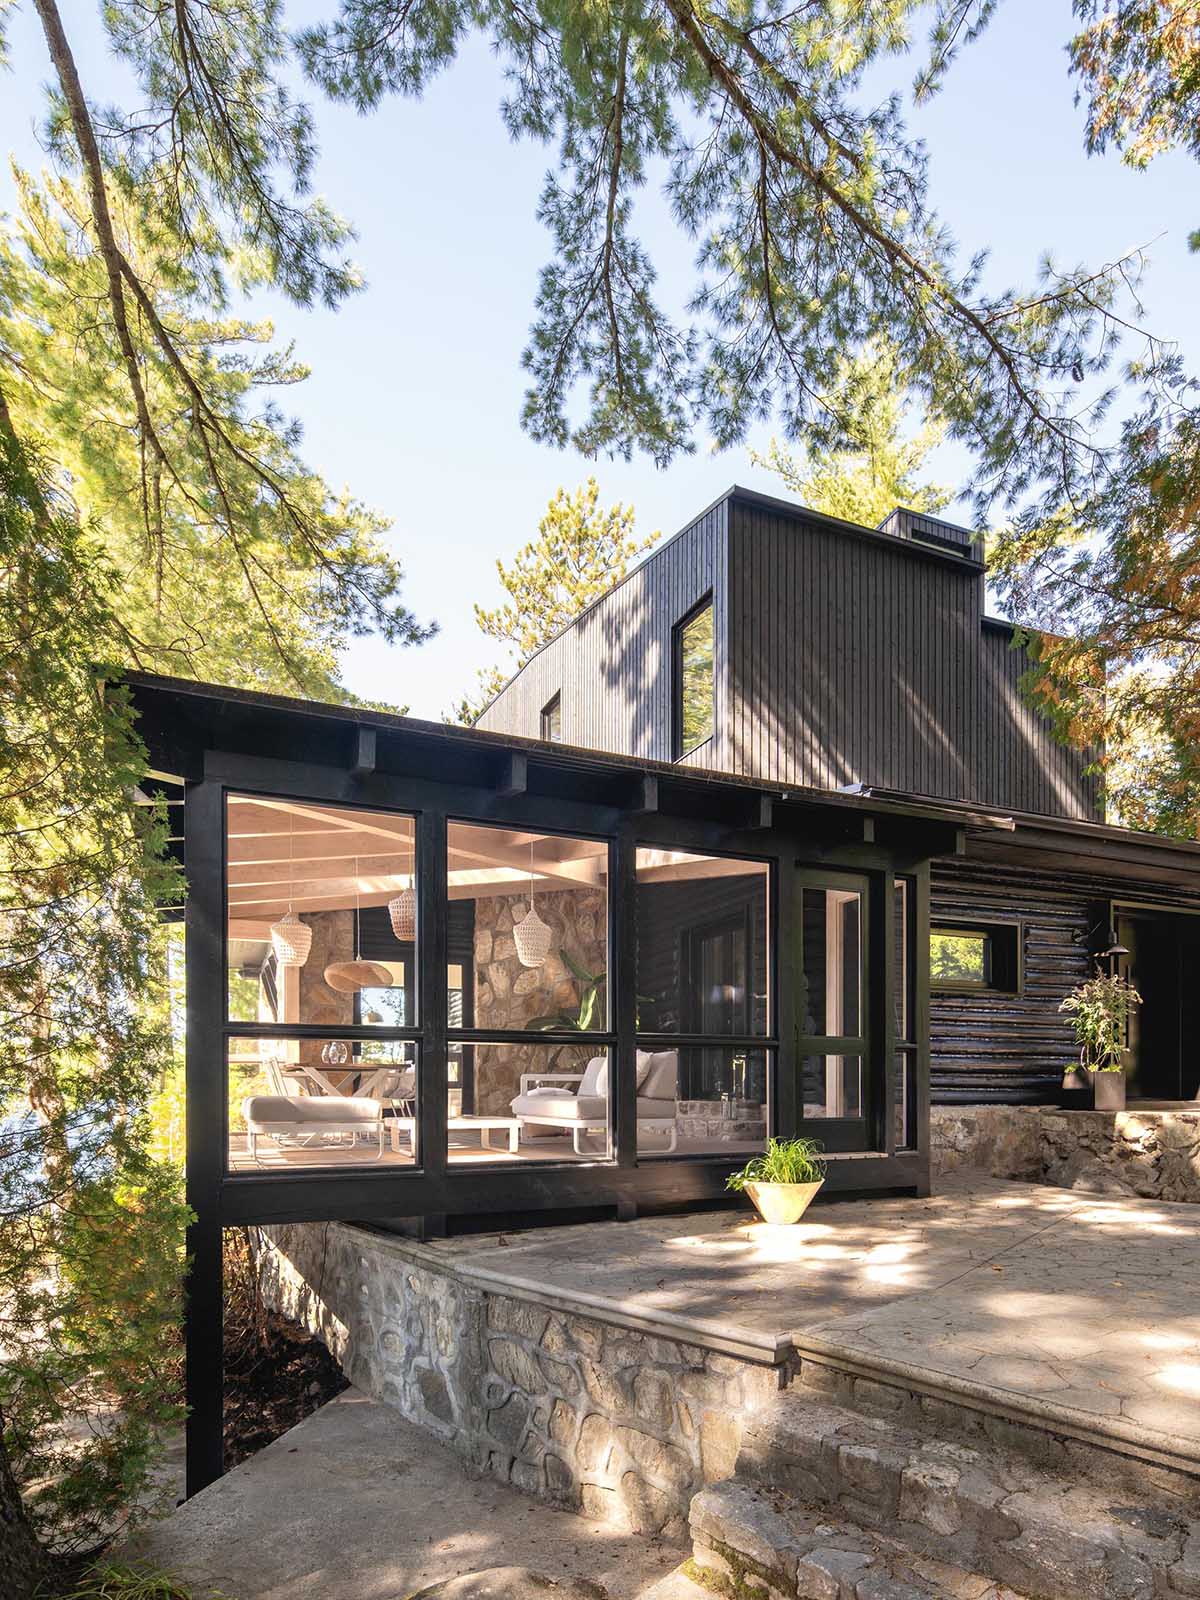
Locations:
column 717, row 1122
column 588, row 1414
column 1154, row 1154
column 508, row 995
column 333, row 940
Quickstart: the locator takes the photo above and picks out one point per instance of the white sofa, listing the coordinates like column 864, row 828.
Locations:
column 578, row 1101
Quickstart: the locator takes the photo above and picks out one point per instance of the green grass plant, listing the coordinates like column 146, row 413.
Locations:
column 783, row 1161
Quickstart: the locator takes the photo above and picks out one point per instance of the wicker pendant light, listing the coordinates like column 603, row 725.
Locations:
column 531, row 935
column 402, row 909
column 291, row 939
column 348, row 977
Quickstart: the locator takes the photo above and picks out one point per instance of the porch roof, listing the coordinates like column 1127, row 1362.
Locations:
column 179, row 719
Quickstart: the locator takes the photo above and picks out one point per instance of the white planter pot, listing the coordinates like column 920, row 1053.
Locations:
column 782, row 1202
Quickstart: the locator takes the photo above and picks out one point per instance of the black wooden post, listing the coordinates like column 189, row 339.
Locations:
column 434, row 996
column 622, row 994
column 206, row 1130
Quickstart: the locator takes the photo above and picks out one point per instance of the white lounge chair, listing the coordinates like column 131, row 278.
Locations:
column 578, row 1101
column 311, row 1119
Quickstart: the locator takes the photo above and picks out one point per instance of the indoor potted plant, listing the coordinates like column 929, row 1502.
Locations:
column 1099, row 1010
column 783, row 1180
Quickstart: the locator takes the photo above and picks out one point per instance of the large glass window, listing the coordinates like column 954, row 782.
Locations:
column 694, row 691
column 322, row 914
column 703, row 1003
column 321, row 934
column 530, row 959
column 298, row 1102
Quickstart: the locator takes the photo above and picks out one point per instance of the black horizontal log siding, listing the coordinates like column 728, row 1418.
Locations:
column 613, row 666
column 858, row 658
column 1009, row 1048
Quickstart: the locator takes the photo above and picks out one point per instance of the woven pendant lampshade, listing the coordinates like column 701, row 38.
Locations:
column 402, row 909
column 291, row 940
column 347, row 977
column 532, row 938
column 531, row 935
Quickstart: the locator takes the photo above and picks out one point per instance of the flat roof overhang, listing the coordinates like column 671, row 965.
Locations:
column 180, row 721
column 1070, row 844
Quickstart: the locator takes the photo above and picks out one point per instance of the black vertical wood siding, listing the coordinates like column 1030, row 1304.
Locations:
column 613, row 666
column 842, row 656
column 864, row 658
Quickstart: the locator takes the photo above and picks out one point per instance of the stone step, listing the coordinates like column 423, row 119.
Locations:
column 991, row 1511
column 1061, row 1439
column 755, row 1542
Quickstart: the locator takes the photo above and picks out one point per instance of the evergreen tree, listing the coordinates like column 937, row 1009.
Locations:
column 580, row 551
column 883, row 467
column 811, row 202
column 91, row 1227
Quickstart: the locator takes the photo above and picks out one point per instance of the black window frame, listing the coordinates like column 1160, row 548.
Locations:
column 552, row 708
column 1004, row 947
column 678, row 749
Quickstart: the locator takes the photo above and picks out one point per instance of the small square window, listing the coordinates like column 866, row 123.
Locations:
column 987, row 957
column 551, row 723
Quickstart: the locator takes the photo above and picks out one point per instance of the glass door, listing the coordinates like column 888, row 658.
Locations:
column 833, row 1045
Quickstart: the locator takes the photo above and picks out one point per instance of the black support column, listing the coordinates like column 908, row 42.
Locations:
column 206, row 1132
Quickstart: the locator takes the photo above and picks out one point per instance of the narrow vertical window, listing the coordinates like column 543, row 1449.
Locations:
column 551, row 724
column 694, row 696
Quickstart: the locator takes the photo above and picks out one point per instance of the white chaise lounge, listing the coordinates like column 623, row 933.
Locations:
column 578, row 1101
column 308, row 1119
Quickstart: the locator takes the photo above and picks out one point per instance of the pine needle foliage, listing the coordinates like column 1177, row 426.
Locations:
column 809, row 203
column 885, row 464
column 581, row 550
column 91, row 1226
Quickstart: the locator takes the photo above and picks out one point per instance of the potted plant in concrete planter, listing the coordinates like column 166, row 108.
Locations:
column 1100, row 1010
column 783, row 1180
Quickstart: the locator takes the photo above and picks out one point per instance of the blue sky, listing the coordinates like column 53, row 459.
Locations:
column 416, row 388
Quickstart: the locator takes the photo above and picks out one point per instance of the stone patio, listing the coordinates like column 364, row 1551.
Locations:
column 1065, row 1307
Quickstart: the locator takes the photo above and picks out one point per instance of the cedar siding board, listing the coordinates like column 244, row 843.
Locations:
column 612, row 666
column 864, row 659
column 843, row 655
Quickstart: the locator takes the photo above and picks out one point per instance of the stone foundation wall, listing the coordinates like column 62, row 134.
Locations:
column 620, row 1423
column 1155, row 1154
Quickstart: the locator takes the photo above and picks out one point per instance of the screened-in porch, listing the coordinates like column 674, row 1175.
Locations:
column 434, row 972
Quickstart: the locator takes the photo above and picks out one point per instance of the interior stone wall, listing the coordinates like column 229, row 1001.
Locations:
column 333, row 940
column 1155, row 1154
column 508, row 995
column 591, row 1414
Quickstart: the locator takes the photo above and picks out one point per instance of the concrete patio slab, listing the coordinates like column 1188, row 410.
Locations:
column 1063, row 1306
column 357, row 1503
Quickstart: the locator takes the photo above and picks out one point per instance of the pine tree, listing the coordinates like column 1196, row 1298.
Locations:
column 883, row 466
column 811, row 201
column 580, row 551
column 91, row 1227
